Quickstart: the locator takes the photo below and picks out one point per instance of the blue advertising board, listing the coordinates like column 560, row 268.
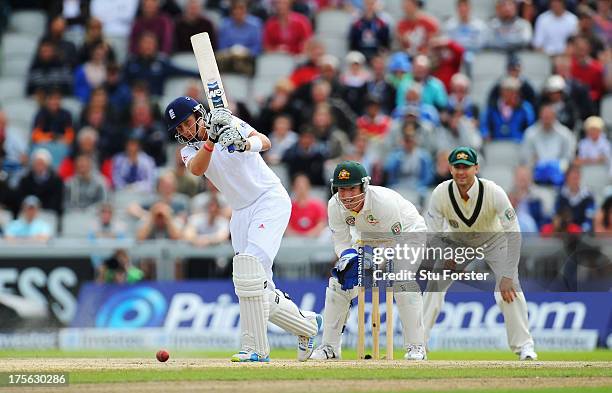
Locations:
column 558, row 320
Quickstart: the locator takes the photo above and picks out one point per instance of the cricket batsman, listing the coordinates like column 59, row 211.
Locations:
column 468, row 204
column 260, row 213
column 355, row 209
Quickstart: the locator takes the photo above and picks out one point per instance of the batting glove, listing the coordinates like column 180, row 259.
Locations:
column 230, row 136
column 219, row 117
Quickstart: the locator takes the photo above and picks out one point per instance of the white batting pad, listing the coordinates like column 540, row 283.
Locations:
column 286, row 315
column 250, row 287
column 337, row 302
column 410, row 309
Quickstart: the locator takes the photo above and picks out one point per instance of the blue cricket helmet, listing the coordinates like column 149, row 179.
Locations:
column 179, row 110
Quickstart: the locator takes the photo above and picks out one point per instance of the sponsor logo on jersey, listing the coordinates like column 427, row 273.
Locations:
column 372, row 220
column 509, row 213
column 453, row 223
column 344, row 175
column 396, row 228
column 350, row 220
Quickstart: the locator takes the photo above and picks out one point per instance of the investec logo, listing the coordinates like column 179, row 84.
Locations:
column 546, row 315
column 215, row 93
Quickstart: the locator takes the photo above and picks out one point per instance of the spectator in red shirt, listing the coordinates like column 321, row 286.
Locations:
column 311, row 68
column 587, row 70
column 286, row 31
column 374, row 123
column 416, row 28
column 308, row 214
column 446, row 57
column 156, row 22
column 87, row 141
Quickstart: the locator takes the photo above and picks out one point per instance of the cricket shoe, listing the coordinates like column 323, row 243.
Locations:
column 306, row 344
column 415, row 352
column 249, row 357
column 325, row 352
column 528, row 353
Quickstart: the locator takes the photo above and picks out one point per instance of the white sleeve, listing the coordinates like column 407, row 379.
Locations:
column 187, row 154
column 434, row 219
column 243, row 127
column 507, row 216
column 412, row 221
column 341, row 232
column 538, row 37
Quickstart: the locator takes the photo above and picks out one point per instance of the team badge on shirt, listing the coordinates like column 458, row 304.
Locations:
column 509, row 213
column 453, row 224
column 396, row 228
column 372, row 220
column 350, row 220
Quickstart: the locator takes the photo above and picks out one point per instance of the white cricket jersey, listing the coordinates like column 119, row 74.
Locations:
column 240, row 177
column 487, row 209
column 487, row 214
column 384, row 211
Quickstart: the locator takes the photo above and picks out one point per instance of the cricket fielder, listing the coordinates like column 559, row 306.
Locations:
column 260, row 213
column 355, row 209
column 468, row 204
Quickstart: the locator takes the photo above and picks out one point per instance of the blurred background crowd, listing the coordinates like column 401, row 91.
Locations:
column 394, row 84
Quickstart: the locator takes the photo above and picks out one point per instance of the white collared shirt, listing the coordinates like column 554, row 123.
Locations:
column 495, row 213
column 384, row 212
column 240, row 177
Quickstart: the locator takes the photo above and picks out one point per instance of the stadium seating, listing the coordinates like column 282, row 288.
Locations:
column 185, row 60
column 74, row 106
column 441, row 9
column 274, row 65
column 333, row 23
column 596, row 177
column 174, row 87
column 337, row 46
column 17, row 68
column 18, row 45
column 74, row 222
column 504, row 153
column 536, row 67
column 50, row 217
column 11, row 88
column 237, row 87
column 501, row 175
column 606, row 109
column 29, row 22
column 20, row 112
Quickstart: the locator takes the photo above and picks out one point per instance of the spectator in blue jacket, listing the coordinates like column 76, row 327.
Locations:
column 241, row 28
column 577, row 198
column 92, row 74
column 434, row 92
column 509, row 117
column 370, row 33
column 410, row 166
column 151, row 67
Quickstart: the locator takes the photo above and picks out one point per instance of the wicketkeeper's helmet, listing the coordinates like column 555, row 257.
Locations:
column 349, row 173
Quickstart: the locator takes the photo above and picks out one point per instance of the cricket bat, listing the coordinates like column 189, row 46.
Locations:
column 209, row 73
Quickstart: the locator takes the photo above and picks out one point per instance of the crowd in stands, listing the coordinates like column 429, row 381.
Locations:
column 398, row 99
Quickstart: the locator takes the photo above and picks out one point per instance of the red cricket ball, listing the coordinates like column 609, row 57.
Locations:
column 162, row 355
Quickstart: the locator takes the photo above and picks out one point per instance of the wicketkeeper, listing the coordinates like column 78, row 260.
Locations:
column 355, row 209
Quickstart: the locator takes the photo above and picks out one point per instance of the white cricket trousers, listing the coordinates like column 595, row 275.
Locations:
column 258, row 229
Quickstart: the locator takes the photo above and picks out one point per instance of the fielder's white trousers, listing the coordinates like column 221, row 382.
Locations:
column 515, row 313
